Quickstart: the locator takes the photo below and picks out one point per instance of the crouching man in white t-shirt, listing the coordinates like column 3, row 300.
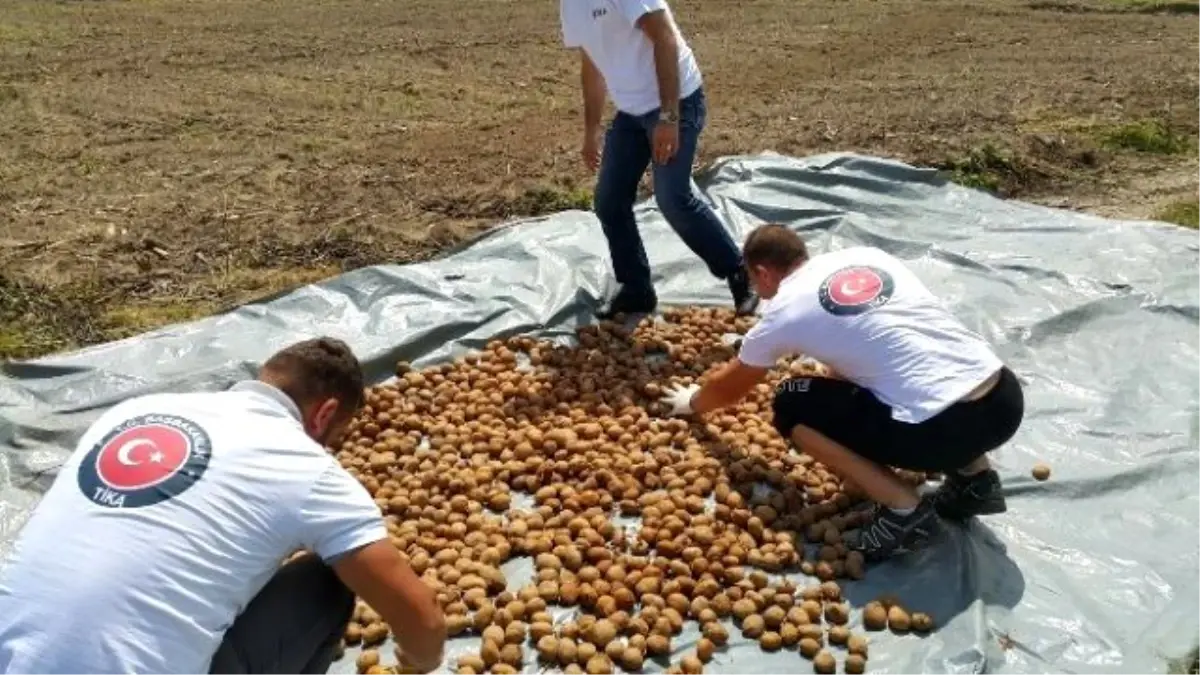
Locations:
column 158, row 547
column 915, row 389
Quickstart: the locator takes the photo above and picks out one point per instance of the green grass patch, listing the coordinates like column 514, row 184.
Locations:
column 1184, row 213
column 37, row 320
column 986, row 167
column 128, row 320
column 545, row 200
column 1146, row 136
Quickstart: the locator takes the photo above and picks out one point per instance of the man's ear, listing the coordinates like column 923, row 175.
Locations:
column 324, row 414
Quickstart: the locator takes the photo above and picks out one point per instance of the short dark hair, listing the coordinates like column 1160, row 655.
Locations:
column 774, row 245
column 317, row 369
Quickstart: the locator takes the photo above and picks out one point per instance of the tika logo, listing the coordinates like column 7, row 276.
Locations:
column 854, row 290
column 144, row 461
column 599, row 12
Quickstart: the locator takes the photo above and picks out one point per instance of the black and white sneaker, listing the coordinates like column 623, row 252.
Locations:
column 630, row 300
column 888, row 533
column 959, row 497
column 745, row 300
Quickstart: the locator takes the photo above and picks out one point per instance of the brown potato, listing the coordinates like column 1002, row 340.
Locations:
column 857, row 644
column 632, row 659
column 599, row 664
column 837, row 613
column 753, row 626
column 789, row 634
column 856, row 664
column 367, row 659
column 809, row 647
column 375, row 634
column 547, row 648
column 812, row 631
column 473, row 662
column 771, row 641
column 898, row 620
column 824, row 662
column 875, row 617
column 603, row 632
column 813, row 609
column 716, row 633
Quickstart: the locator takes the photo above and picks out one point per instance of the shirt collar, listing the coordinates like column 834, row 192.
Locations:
column 274, row 394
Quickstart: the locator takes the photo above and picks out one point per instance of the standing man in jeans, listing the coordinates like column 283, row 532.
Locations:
column 633, row 50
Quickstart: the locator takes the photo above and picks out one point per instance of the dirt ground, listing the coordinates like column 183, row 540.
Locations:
column 163, row 159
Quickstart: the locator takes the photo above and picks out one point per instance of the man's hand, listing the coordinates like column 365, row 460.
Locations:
column 680, row 399
column 666, row 141
column 405, row 665
column 593, row 139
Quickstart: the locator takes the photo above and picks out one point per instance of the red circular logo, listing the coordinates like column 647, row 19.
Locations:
column 855, row 289
column 854, row 286
column 142, row 456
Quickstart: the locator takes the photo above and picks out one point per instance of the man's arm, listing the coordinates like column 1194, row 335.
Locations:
column 341, row 523
column 666, row 57
column 731, row 382
column 378, row 575
column 728, row 385
column 592, row 83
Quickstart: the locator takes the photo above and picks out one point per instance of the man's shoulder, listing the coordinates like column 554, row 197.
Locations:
column 822, row 265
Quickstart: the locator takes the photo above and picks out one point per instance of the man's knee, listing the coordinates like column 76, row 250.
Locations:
column 675, row 198
column 610, row 203
column 610, row 211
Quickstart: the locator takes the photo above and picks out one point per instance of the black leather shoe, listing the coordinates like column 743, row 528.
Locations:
column 630, row 300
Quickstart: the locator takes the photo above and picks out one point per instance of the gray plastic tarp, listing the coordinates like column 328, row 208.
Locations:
column 1094, row 570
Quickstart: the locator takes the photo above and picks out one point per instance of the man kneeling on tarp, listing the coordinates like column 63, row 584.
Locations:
column 158, row 547
column 915, row 389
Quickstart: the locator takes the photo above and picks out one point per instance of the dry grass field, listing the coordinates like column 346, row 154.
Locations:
column 164, row 159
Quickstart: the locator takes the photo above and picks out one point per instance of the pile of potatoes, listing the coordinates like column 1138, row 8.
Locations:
column 581, row 429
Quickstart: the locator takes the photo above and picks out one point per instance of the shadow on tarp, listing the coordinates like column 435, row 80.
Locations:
column 1095, row 570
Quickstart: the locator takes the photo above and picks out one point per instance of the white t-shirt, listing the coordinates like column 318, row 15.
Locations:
column 861, row 312
column 170, row 516
column 606, row 30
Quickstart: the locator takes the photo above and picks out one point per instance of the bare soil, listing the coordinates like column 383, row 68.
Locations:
column 163, row 159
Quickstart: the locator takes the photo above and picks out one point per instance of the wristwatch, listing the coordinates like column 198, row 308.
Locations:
column 668, row 117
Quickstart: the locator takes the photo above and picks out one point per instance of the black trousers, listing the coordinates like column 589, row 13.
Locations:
column 855, row 418
column 293, row 625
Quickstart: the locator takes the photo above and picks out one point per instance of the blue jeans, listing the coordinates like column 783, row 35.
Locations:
column 627, row 153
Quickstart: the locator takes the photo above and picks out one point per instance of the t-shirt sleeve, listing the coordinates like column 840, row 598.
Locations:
column 339, row 515
column 633, row 10
column 570, row 27
column 762, row 346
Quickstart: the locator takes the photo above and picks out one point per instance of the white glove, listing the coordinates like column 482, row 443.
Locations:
column 680, row 399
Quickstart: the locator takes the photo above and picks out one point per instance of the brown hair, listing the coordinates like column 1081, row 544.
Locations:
column 317, row 369
column 774, row 245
